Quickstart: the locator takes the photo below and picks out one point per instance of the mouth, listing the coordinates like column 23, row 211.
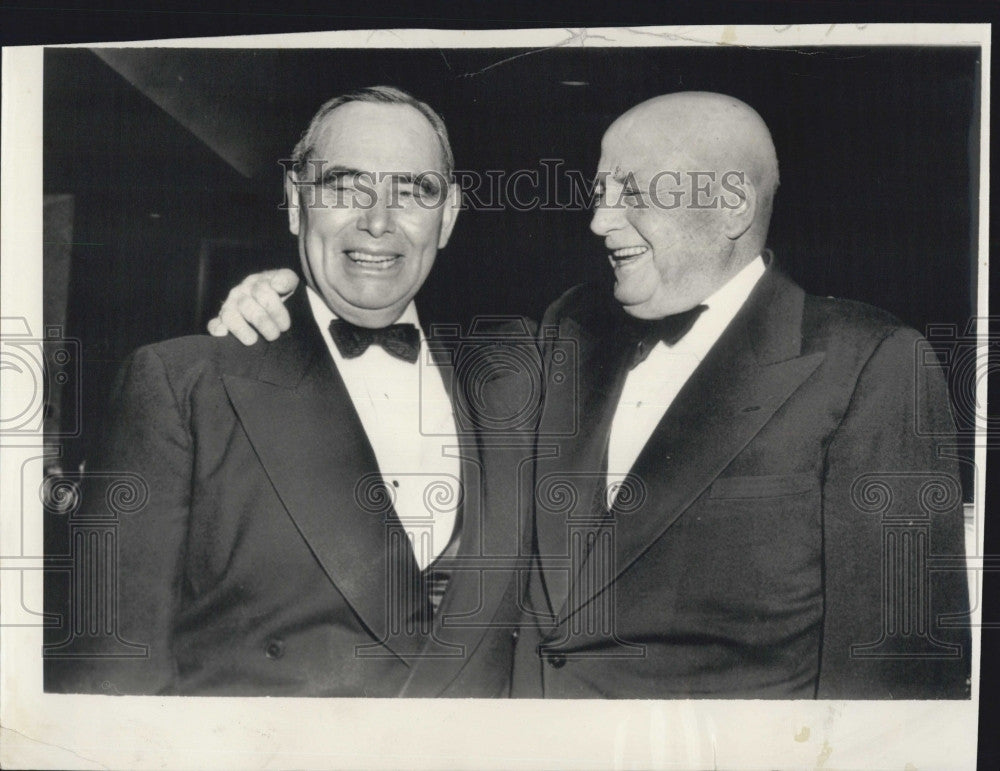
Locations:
column 377, row 261
column 620, row 258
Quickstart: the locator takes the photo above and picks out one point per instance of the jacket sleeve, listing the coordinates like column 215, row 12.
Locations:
column 895, row 621
column 139, row 483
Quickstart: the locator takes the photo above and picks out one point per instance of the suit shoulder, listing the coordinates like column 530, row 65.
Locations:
column 186, row 362
column 197, row 351
column 850, row 321
column 856, row 337
column 583, row 302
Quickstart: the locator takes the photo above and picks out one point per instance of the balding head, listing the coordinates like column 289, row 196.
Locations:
column 689, row 181
column 712, row 132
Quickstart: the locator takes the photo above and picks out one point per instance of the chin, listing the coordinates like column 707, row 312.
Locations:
column 645, row 308
column 629, row 299
column 375, row 295
column 641, row 312
column 621, row 293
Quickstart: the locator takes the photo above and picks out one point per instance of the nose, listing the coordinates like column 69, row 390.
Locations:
column 378, row 218
column 605, row 218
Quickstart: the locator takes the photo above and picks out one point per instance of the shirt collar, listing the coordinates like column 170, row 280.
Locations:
column 723, row 304
column 735, row 292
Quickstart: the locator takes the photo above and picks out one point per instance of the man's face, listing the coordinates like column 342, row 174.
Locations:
column 667, row 255
column 370, row 228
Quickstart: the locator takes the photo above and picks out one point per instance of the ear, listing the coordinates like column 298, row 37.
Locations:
column 450, row 214
column 739, row 205
column 292, row 200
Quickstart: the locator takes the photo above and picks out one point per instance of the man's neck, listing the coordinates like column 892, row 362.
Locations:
column 376, row 320
column 738, row 286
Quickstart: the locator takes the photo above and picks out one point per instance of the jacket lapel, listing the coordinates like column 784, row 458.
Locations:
column 745, row 378
column 571, row 470
column 301, row 421
column 484, row 565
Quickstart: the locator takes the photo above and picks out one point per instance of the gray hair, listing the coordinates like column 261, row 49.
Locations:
column 377, row 95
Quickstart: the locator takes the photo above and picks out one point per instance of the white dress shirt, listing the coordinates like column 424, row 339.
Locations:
column 394, row 399
column 651, row 387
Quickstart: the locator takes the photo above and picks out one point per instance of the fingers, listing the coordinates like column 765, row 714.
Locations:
column 277, row 319
column 231, row 317
column 282, row 281
column 256, row 305
column 229, row 321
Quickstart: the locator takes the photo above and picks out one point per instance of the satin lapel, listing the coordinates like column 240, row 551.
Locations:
column 569, row 486
column 301, row 421
column 745, row 378
column 489, row 538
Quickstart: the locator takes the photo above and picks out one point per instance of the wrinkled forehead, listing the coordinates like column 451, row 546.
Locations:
column 378, row 138
column 631, row 148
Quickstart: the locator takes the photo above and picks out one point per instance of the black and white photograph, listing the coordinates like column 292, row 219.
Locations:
column 625, row 382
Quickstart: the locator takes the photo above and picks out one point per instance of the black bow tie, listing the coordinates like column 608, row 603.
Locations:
column 399, row 340
column 669, row 329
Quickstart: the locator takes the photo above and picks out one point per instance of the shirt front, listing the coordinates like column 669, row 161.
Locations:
column 409, row 419
column 651, row 387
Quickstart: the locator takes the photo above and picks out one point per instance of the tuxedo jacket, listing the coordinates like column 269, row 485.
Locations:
column 792, row 528
column 265, row 562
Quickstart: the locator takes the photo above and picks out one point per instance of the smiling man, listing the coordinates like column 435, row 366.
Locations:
column 380, row 206
column 739, row 436
column 748, row 509
column 673, row 233
column 309, row 498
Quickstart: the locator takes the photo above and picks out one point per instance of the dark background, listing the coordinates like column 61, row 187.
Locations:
column 171, row 156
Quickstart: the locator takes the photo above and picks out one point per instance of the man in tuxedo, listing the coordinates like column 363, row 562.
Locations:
column 751, row 505
column 314, row 503
column 757, row 514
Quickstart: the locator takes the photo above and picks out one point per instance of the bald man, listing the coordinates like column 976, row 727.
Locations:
column 746, row 509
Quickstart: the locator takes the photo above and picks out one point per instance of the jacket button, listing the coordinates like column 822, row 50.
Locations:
column 274, row 649
column 556, row 660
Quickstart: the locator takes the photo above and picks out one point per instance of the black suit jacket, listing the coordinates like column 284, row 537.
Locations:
column 791, row 529
column 267, row 560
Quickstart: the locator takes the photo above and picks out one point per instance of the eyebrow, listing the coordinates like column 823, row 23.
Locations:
column 427, row 182
column 619, row 176
column 335, row 173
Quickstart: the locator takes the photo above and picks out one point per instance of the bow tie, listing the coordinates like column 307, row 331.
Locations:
column 669, row 329
column 399, row 340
